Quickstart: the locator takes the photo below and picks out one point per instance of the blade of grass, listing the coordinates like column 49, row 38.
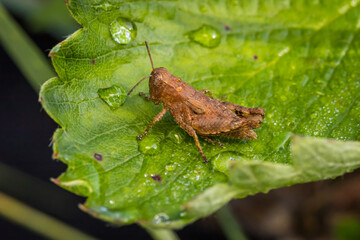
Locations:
column 229, row 224
column 22, row 7
column 26, row 55
column 162, row 234
column 37, row 221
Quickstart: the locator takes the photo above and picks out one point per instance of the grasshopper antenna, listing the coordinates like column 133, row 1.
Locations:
column 147, row 47
column 152, row 65
column 138, row 84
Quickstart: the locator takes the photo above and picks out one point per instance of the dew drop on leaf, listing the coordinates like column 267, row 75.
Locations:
column 183, row 214
column 123, row 31
column 206, row 35
column 221, row 162
column 170, row 167
column 177, row 135
column 149, row 144
column 161, row 217
column 113, row 96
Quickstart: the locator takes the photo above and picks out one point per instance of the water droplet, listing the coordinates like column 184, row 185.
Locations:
column 222, row 161
column 170, row 167
column 194, row 176
column 113, row 96
column 150, row 144
column 177, row 135
column 183, row 214
column 123, row 31
column 206, row 35
column 161, row 217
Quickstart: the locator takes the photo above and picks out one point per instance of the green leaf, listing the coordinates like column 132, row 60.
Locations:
column 296, row 59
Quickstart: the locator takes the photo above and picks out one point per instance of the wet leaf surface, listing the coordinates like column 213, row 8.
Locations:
column 299, row 60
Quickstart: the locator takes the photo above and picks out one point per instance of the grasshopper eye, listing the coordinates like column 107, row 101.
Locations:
column 158, row 77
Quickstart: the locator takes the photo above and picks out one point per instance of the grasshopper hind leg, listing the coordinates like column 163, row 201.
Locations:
column 182, row 116
column 192, row 133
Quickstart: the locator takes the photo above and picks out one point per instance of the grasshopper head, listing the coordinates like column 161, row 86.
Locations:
column 158, row 82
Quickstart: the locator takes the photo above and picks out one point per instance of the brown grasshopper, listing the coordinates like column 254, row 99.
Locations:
column 197, row 113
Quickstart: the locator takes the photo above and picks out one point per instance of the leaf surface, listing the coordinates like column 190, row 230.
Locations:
column 299, row 60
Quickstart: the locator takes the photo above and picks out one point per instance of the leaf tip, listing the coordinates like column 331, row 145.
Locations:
column 55, row 180
column 55, row 154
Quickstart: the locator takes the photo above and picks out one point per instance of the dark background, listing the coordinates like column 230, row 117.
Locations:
column 322, row 210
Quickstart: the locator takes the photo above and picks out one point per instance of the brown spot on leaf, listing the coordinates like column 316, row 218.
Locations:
column 93, row 61
column 227, row 28
column 98, row 156
column 55, row 155
column 156, row 178
column 255, row 57
column 51, row 54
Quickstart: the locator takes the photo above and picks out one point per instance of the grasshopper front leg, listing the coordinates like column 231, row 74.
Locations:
column 145, row 96
column 158, row 117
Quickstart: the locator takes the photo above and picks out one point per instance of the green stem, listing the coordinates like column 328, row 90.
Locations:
column 26, row 55
column 162, row 234
column 229, row 224
column 37, row 221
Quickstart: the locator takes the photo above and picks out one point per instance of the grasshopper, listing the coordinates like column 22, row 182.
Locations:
column 196, row 112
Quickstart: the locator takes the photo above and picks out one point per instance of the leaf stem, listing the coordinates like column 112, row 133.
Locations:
column 26, row 55
column 37, row 221
column 229, row 224
column 161, row 234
